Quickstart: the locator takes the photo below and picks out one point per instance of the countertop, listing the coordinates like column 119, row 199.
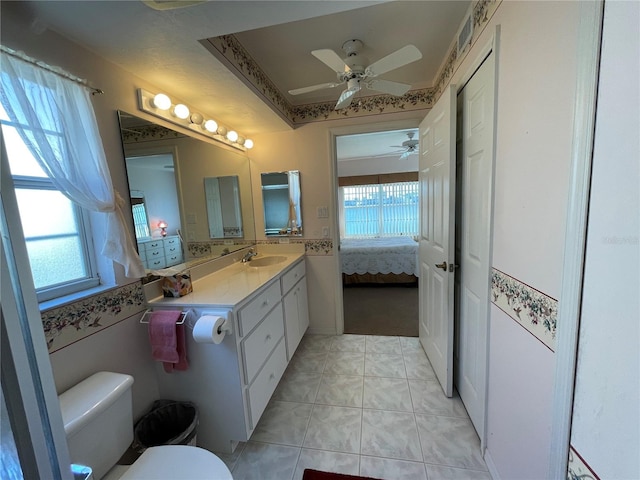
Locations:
column 231, row 285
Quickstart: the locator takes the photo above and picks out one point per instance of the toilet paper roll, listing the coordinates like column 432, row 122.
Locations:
column 209, row 329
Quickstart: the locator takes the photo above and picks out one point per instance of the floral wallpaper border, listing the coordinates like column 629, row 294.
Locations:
column 313, row 247
column 72, row 322
column 145, row 133
column 229, row 50
column 578, row 469
column 532, row 309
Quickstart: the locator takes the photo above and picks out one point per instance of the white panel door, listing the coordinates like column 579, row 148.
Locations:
column 476, row 158
column 436, row 250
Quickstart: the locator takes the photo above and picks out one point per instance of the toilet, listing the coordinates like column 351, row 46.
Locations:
column 98, row 422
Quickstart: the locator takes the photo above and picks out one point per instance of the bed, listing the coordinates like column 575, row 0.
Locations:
column 379, row 260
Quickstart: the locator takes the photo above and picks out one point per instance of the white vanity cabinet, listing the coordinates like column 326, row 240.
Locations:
column 233, row 381
column 296, row 307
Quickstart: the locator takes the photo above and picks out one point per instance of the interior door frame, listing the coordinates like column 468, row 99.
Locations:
column 409, row 122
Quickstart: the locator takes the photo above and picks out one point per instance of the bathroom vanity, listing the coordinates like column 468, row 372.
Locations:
column 265, row 302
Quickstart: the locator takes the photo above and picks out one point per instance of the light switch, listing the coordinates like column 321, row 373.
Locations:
column 323, row 212
column 325, row 232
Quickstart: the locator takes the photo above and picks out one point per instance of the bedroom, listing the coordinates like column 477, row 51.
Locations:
column 379, row 220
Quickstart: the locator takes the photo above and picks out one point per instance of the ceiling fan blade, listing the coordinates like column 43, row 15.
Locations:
column 345, row 98
column 331, row 59
column 313, row 88
column 386, row 86
column 397, row 59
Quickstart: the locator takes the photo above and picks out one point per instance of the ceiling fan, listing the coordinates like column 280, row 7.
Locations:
column 352, row 72
column 409, row 146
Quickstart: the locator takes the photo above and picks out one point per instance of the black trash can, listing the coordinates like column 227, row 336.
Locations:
column 168, row 423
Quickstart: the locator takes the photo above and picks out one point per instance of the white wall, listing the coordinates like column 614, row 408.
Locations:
column 606, row 417
column 369, row 166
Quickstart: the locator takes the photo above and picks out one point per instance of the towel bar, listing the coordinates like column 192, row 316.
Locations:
column 183, row 317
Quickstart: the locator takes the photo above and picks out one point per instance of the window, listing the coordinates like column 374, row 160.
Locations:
column 381, row 210
column 56, row 230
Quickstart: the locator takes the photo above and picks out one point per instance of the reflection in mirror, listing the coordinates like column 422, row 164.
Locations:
column 223, row 207
column 193, row 159
column 281, row 198
column 140, row 217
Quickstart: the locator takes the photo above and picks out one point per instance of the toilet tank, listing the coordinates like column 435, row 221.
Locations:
column 98, row 420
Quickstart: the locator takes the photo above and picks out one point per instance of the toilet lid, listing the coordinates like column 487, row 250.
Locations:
column 173, row 462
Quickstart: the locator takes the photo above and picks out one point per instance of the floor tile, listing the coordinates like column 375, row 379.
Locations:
column 378, row 344
column 345, row 363
column 325, row 461
column 334, row 428
column 438, row 472
column 264, row 461
column 230, row 459
column 410, row 344
column 298, row 387
column 390, row 469
column 418, row 367
column 316, row 343
column 284, row 423
column 427, row 397
column 449, row 441
column 390, row 434
column 387, row 394
column 340, row 390
column 384, row 365
column 308, row 361
column 348, row 343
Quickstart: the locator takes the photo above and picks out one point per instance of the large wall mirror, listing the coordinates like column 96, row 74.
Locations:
column 187, row 187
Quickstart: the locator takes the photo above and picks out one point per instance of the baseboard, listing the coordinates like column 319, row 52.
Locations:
column 320, row 331
column 493, row 471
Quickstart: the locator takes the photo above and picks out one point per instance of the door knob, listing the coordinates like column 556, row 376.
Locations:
column 442, row 265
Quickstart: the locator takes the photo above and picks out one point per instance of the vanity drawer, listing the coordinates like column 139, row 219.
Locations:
column 171, row 242
column 156, row 263
column 173, row 249
column 257, row 346
column 174, row 259
column 251, row 314
column 154, row 253
column 155, row 244
column 266, row 382
column 290, row 278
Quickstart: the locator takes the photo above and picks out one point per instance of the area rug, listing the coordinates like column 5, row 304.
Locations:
column 310, row 474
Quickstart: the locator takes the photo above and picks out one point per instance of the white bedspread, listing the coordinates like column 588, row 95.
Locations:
column 379, row 255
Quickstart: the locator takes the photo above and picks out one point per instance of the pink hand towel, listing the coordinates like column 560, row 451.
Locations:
column 182, row 363
column 163, row 336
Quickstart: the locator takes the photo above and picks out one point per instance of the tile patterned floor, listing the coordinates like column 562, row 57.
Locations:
column 361, row 405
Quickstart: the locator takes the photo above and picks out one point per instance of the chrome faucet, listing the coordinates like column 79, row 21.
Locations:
column 248, row 256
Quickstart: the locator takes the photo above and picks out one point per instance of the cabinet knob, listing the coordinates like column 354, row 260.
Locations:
column 272, row 376
column 265, row 303
column 268, row 338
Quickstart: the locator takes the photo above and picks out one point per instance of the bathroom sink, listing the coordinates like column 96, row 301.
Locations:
column 266, row 261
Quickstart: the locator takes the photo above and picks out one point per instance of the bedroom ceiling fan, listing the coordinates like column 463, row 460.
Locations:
column 352, row 72
column 409, row 146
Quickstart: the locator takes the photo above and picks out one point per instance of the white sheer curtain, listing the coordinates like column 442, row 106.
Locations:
column 65, row 141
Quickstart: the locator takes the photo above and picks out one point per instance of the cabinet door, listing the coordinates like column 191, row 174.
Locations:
column 292, row 330
column 296, row 313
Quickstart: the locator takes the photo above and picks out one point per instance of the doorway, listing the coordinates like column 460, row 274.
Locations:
column 377, row 200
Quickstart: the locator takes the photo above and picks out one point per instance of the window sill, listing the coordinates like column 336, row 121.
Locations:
column 73, row 297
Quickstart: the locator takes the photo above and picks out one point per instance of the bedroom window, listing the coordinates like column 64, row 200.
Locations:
column 380, row 210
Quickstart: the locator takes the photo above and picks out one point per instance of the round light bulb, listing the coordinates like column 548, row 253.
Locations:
column 222, row 130
column 161, row 101
column 232, row 135
column 248, row 143
column 240, row 140
column 196, row 118
column 181, row 111
column 211, row 126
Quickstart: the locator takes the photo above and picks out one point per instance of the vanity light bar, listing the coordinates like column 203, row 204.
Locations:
column 161, row 106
